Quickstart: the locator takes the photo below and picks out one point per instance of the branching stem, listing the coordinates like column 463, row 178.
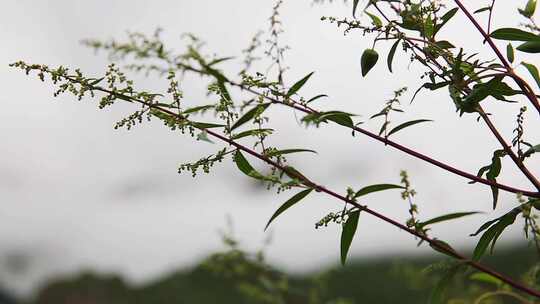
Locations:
column 449, row 168
column 433, row 242
column 530, row 95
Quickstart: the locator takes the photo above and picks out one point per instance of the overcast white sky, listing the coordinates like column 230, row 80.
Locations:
column 77, row 194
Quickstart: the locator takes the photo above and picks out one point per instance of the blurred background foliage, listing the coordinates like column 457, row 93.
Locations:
column 236, row 276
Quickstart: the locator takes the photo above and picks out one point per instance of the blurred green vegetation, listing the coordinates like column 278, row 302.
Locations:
column 234, row 276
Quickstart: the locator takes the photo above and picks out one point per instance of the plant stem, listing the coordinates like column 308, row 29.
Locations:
column 530, row 95
column 509, row 150
column 428, row 159
column 433, row 242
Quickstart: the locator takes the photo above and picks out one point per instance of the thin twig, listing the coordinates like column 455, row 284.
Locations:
column 433, row 243
column 381, row 139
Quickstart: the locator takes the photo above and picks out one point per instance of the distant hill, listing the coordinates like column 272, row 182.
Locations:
column 386, row 280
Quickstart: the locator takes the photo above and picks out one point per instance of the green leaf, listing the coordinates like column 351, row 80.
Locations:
column 298, row 85
column 449, row 15
column 533, row 71
column 245, row 166
column 483, row 243
column 347, row 234
column 288, row 151
column 486, row 278
column 376, row 188
column 492, row 234
column 205, row 125
column 443, row 44
column 253, row 132
column 407, row 124
column 355, row 5
column 391, row 54
column 368, row 60
column 481, row 172
column 535, row 203
column 197, row 109
column 483, row 9
column 258, row 110
column 428, row 27
column 493, row 173
column 495, row 88
column 123, row 97
column 375, row 20
column 341, row 118
column 529, row 10
column 316, row 97
column 96, row 81
column 510, row 52
column 219, row 60
column 289, row 203
column 485, row 226
column 220, row 78
column 530, row 47
column 514, row 34
column 445, row 18
column 446, row 217
column 531, row 151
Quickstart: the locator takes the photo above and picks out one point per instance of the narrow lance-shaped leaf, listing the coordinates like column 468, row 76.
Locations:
column 407, row 124
column 253, row 132
column 483, row 9
column 342, row 119
column 347, row 234
column 288, row 151
column 514, row 34
column 96, row 81
column 530, row 47
column 483, row 243
column 531, row 151
column 445, row 18
column 376, row 188
column 485, row 226
column 289, row 203
column 533, row 71
column 245, row 166
column 219, row 60
column 443, row 44
column 250, row 114
column 493, row 173
column 298, row 85
column 205, row 125
column 447, row 217
column 492, row 234
column 375, row 20
column 391, row 54
column 481, row 172
column 316, row 97
column 198, row 109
